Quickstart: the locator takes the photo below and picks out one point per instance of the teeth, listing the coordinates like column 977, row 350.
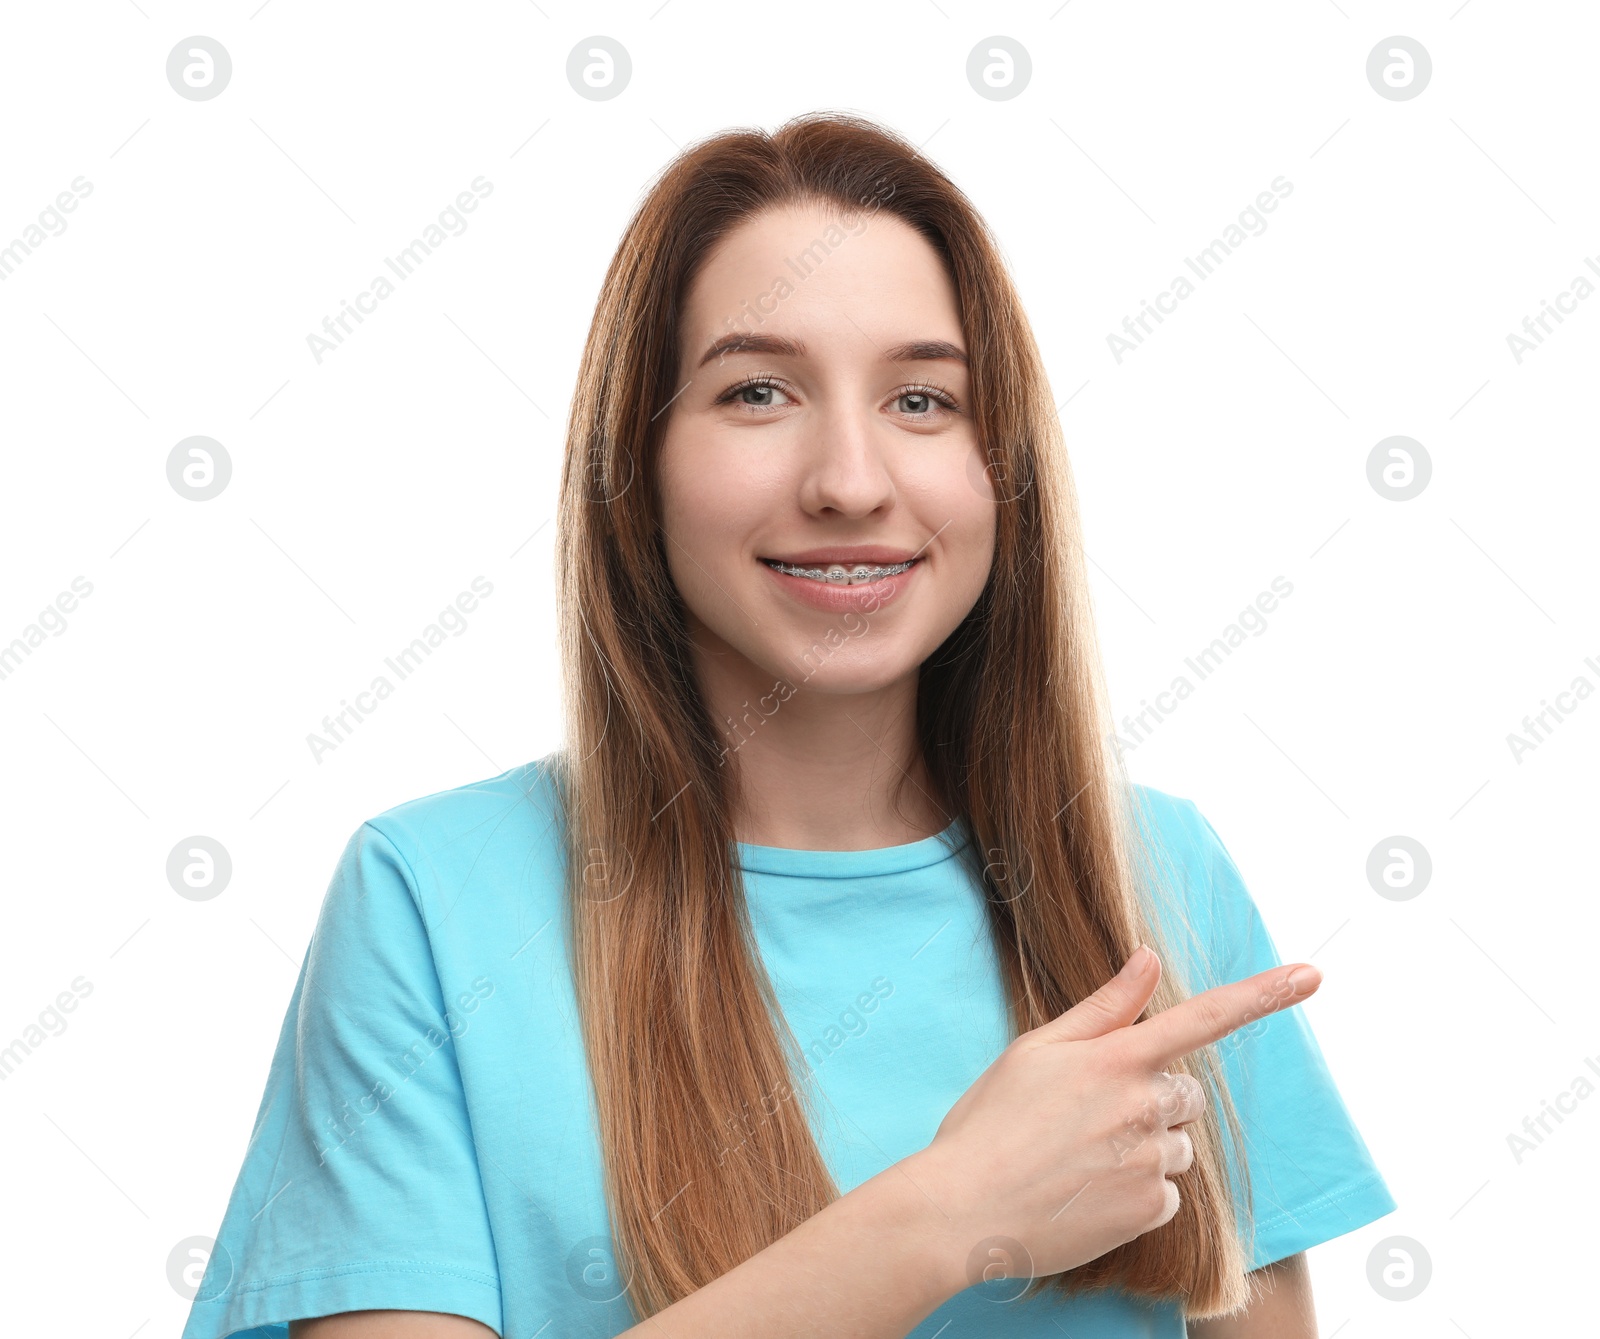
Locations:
column 837, row 574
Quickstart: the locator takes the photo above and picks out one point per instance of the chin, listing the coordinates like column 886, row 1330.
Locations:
column 838, row 673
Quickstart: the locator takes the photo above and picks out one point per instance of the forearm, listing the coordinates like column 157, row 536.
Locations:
column 871, row 1265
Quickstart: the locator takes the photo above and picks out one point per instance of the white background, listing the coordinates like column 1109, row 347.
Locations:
column 369, row 490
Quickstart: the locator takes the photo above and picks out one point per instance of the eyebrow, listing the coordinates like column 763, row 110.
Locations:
column 779, row 346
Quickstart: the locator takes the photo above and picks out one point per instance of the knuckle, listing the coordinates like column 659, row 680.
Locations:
column 1110, row 1058
column 1141, row 1117
column 1171, row 1097
column 1183, row 1155
column 1146, row 1159
column 1023, row 1052
column 1100, row 1067
column 1214, row 1015
column 1154, row 1199
column 1193, row 1100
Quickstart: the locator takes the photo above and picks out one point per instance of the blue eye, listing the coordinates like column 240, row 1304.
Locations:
column 920, row 401
column 756, row 393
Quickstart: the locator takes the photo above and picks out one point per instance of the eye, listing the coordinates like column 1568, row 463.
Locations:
column 756, row 393
column 925, row 401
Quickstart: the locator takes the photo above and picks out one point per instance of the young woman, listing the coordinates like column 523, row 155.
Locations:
column 802, row 993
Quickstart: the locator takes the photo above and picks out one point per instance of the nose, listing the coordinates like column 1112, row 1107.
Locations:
column 846, row 473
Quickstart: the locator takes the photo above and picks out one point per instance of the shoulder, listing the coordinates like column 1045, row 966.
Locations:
column 468, row 844
column 1193, row 885
column 1173, row 826
column 520, row 797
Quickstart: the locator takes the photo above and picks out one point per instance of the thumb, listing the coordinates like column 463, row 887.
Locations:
column 1115, row 1005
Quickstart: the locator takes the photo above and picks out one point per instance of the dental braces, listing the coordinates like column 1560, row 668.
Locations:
column 838, row 574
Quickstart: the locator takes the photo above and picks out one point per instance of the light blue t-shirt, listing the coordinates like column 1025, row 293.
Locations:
column 426, row 1140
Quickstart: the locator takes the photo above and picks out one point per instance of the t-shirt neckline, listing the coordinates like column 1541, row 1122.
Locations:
column 853, row 864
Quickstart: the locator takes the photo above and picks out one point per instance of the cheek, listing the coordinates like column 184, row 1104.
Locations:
column 967, row 543
column 709, row 512
column 714, row 494
column 700, row 517
column 960, row 504
column 685, row 509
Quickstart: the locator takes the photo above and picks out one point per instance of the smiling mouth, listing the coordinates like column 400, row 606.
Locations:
column 841, row 574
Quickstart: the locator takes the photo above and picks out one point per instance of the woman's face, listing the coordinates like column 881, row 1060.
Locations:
column 824, row 418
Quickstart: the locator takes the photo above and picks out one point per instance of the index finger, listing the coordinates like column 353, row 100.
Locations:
column 1208, row 1017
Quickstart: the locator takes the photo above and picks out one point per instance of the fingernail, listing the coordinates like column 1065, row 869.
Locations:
column 1138, row 960
column 1304, row 979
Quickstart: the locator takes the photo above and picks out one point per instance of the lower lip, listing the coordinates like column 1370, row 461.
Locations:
column 866, row 598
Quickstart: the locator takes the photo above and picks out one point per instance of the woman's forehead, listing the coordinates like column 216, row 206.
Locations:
column 816, row 277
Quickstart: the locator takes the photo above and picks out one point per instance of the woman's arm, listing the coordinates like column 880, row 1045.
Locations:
column 873, row 1264
column 389, row 1325
column 1283, row 1308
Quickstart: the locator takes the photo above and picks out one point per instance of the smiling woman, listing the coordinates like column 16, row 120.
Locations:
column 844, row 484
column 834, row 717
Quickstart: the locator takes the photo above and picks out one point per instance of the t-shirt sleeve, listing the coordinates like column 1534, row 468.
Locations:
column 360, row 1187
column 1312, row 1176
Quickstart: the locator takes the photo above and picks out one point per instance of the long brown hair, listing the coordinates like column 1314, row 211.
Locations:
column 681, row 1025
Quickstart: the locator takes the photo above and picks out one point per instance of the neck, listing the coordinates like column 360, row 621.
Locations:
column 820, row 771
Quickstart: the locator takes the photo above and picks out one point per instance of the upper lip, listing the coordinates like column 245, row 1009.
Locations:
column 846, row 553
